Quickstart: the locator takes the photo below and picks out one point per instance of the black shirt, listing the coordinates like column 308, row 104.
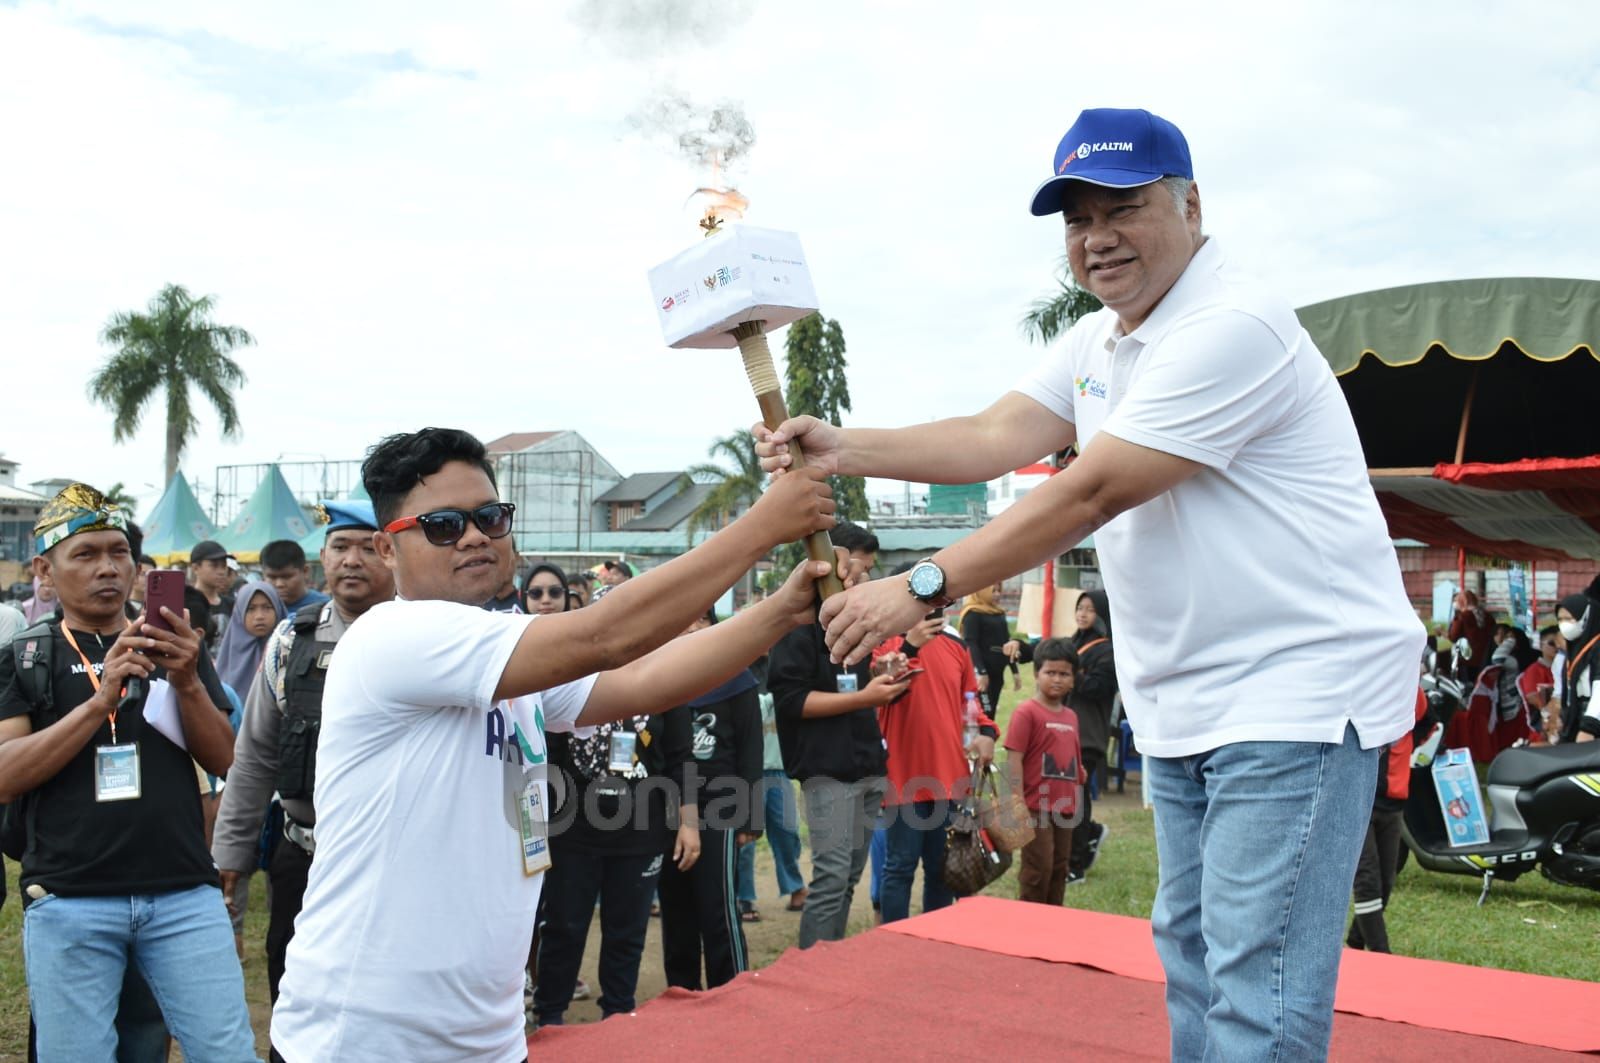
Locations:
column 639, row 820
column 80, row 847
column 847, row 747
column 727, row 757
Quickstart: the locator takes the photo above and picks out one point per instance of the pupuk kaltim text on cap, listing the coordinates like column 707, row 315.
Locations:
column 1114, row 148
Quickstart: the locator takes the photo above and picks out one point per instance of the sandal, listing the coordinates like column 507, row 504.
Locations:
column 748, row 913
column 797, row 900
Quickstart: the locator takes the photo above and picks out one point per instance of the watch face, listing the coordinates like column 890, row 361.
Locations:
column 926, row 581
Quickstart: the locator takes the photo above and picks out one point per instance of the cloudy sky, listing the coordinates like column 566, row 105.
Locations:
column 442, row 214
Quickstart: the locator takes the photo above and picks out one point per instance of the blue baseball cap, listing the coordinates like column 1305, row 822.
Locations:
column 1114, row 148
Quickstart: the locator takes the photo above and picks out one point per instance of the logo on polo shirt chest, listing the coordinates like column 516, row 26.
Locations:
column 1089, row 386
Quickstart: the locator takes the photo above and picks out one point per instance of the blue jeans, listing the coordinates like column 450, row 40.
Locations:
column 878, row 853
column 782, row 823
column 77, row 949
column 913, row 833
column 1258, row 844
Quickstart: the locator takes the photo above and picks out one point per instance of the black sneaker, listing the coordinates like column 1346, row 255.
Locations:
column 1075, row 878
column 1102, row 832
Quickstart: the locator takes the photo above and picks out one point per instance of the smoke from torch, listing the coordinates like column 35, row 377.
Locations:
column 717, row 137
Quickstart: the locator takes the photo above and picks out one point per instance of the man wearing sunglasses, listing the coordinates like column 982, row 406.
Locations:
column 431, row 777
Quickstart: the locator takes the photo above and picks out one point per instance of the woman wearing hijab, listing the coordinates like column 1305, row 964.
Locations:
column 257, row 609
column 1578, row 616
column 985, row 631
column 1092, row 699
column 42, row 604
column 545, row 590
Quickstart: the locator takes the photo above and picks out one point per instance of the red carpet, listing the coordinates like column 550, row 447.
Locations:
column 971, row 983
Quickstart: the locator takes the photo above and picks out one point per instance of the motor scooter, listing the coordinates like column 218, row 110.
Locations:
column 1543, row 802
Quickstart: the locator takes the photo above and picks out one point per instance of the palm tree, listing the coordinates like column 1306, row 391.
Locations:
column 117, row 494
column 172, row 345
column 1053, row 314
column 733, row 488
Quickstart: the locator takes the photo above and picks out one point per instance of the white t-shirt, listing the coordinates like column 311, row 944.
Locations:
column 418, row 914
column 1260, row 599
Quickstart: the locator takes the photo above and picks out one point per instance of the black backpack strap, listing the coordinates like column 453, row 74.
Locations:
column 33, row 653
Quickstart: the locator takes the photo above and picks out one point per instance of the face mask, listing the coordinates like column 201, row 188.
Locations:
column 1571, row 629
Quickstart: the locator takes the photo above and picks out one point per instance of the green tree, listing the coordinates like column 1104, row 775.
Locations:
column 814, row 383
column 172, row 346
column 1051, row 315
column 117, row 495
column 734, row 486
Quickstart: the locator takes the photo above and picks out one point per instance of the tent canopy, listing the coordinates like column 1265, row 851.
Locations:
column 176, row 523
column 272, row 513
column 1474, row 400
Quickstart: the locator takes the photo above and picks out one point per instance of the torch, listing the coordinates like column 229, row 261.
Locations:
column 727, row 291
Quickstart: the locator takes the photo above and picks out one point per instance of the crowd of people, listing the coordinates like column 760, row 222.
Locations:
column 484, row 778
column 653, row 811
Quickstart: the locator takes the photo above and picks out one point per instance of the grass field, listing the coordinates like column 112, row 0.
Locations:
column 1531, row 925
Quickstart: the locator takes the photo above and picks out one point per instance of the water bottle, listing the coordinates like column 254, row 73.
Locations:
column 970, row 734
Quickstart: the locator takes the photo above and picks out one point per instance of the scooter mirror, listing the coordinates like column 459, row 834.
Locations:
column 1463, row 649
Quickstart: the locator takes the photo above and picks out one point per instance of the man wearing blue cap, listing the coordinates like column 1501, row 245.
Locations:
column 1267, row 649
column 276, row 750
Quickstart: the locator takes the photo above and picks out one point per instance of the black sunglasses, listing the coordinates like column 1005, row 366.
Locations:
column 444, row 527
column 554, row 593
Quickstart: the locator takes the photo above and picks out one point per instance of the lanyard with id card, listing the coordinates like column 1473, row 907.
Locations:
column 534, row 828
column 116, row 767
column 620, row 752
column 846, row 683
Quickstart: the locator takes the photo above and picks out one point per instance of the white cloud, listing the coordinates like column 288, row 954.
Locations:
column 442, row 218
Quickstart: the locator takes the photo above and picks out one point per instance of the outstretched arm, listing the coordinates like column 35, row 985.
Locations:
column 647, row 611
column 1111, row 477
column 1014, row 431
column 689, row 666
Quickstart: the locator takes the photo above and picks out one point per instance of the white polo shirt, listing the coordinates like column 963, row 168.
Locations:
column 417, row 912
column 1261, row 599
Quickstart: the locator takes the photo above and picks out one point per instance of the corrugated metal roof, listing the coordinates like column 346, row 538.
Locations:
column 673, row 512
column 639, row 487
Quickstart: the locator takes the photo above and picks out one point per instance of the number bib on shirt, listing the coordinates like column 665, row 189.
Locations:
column 116, row 772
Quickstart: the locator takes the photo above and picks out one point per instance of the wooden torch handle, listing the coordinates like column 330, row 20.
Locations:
column 752, row 337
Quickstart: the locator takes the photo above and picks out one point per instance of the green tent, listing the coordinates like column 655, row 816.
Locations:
column 272, row 513
column 1474, row 401
column 176, row 524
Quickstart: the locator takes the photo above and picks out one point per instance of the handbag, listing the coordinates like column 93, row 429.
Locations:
column 971, row 862
column 1004, row 815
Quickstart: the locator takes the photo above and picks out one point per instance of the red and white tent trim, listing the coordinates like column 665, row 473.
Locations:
column 1538, row 509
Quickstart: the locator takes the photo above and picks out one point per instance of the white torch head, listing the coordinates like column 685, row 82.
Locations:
column 739, row 274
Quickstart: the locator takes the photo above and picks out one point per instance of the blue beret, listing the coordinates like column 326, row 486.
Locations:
column 349, row 513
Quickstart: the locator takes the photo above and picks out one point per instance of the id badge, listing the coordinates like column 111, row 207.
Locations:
column 116, row 772
column 534, row 828
column 621, row 756
column 846, row 683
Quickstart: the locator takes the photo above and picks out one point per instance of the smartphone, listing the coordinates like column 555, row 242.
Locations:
column 908, row 673
column 162, row 587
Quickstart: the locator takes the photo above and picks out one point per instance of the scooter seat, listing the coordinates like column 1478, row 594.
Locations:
column 1532, row 765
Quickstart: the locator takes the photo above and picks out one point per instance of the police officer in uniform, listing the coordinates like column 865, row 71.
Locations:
column 276, row 750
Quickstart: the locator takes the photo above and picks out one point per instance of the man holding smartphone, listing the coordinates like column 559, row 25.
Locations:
column 115, row 871
column 924, row 733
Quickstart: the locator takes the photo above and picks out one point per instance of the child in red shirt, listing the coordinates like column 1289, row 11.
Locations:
column 1043, row 764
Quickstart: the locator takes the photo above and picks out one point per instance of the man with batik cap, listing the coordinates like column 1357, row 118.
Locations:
column 115, row 871
column 276, row 750
column 1267, row 647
